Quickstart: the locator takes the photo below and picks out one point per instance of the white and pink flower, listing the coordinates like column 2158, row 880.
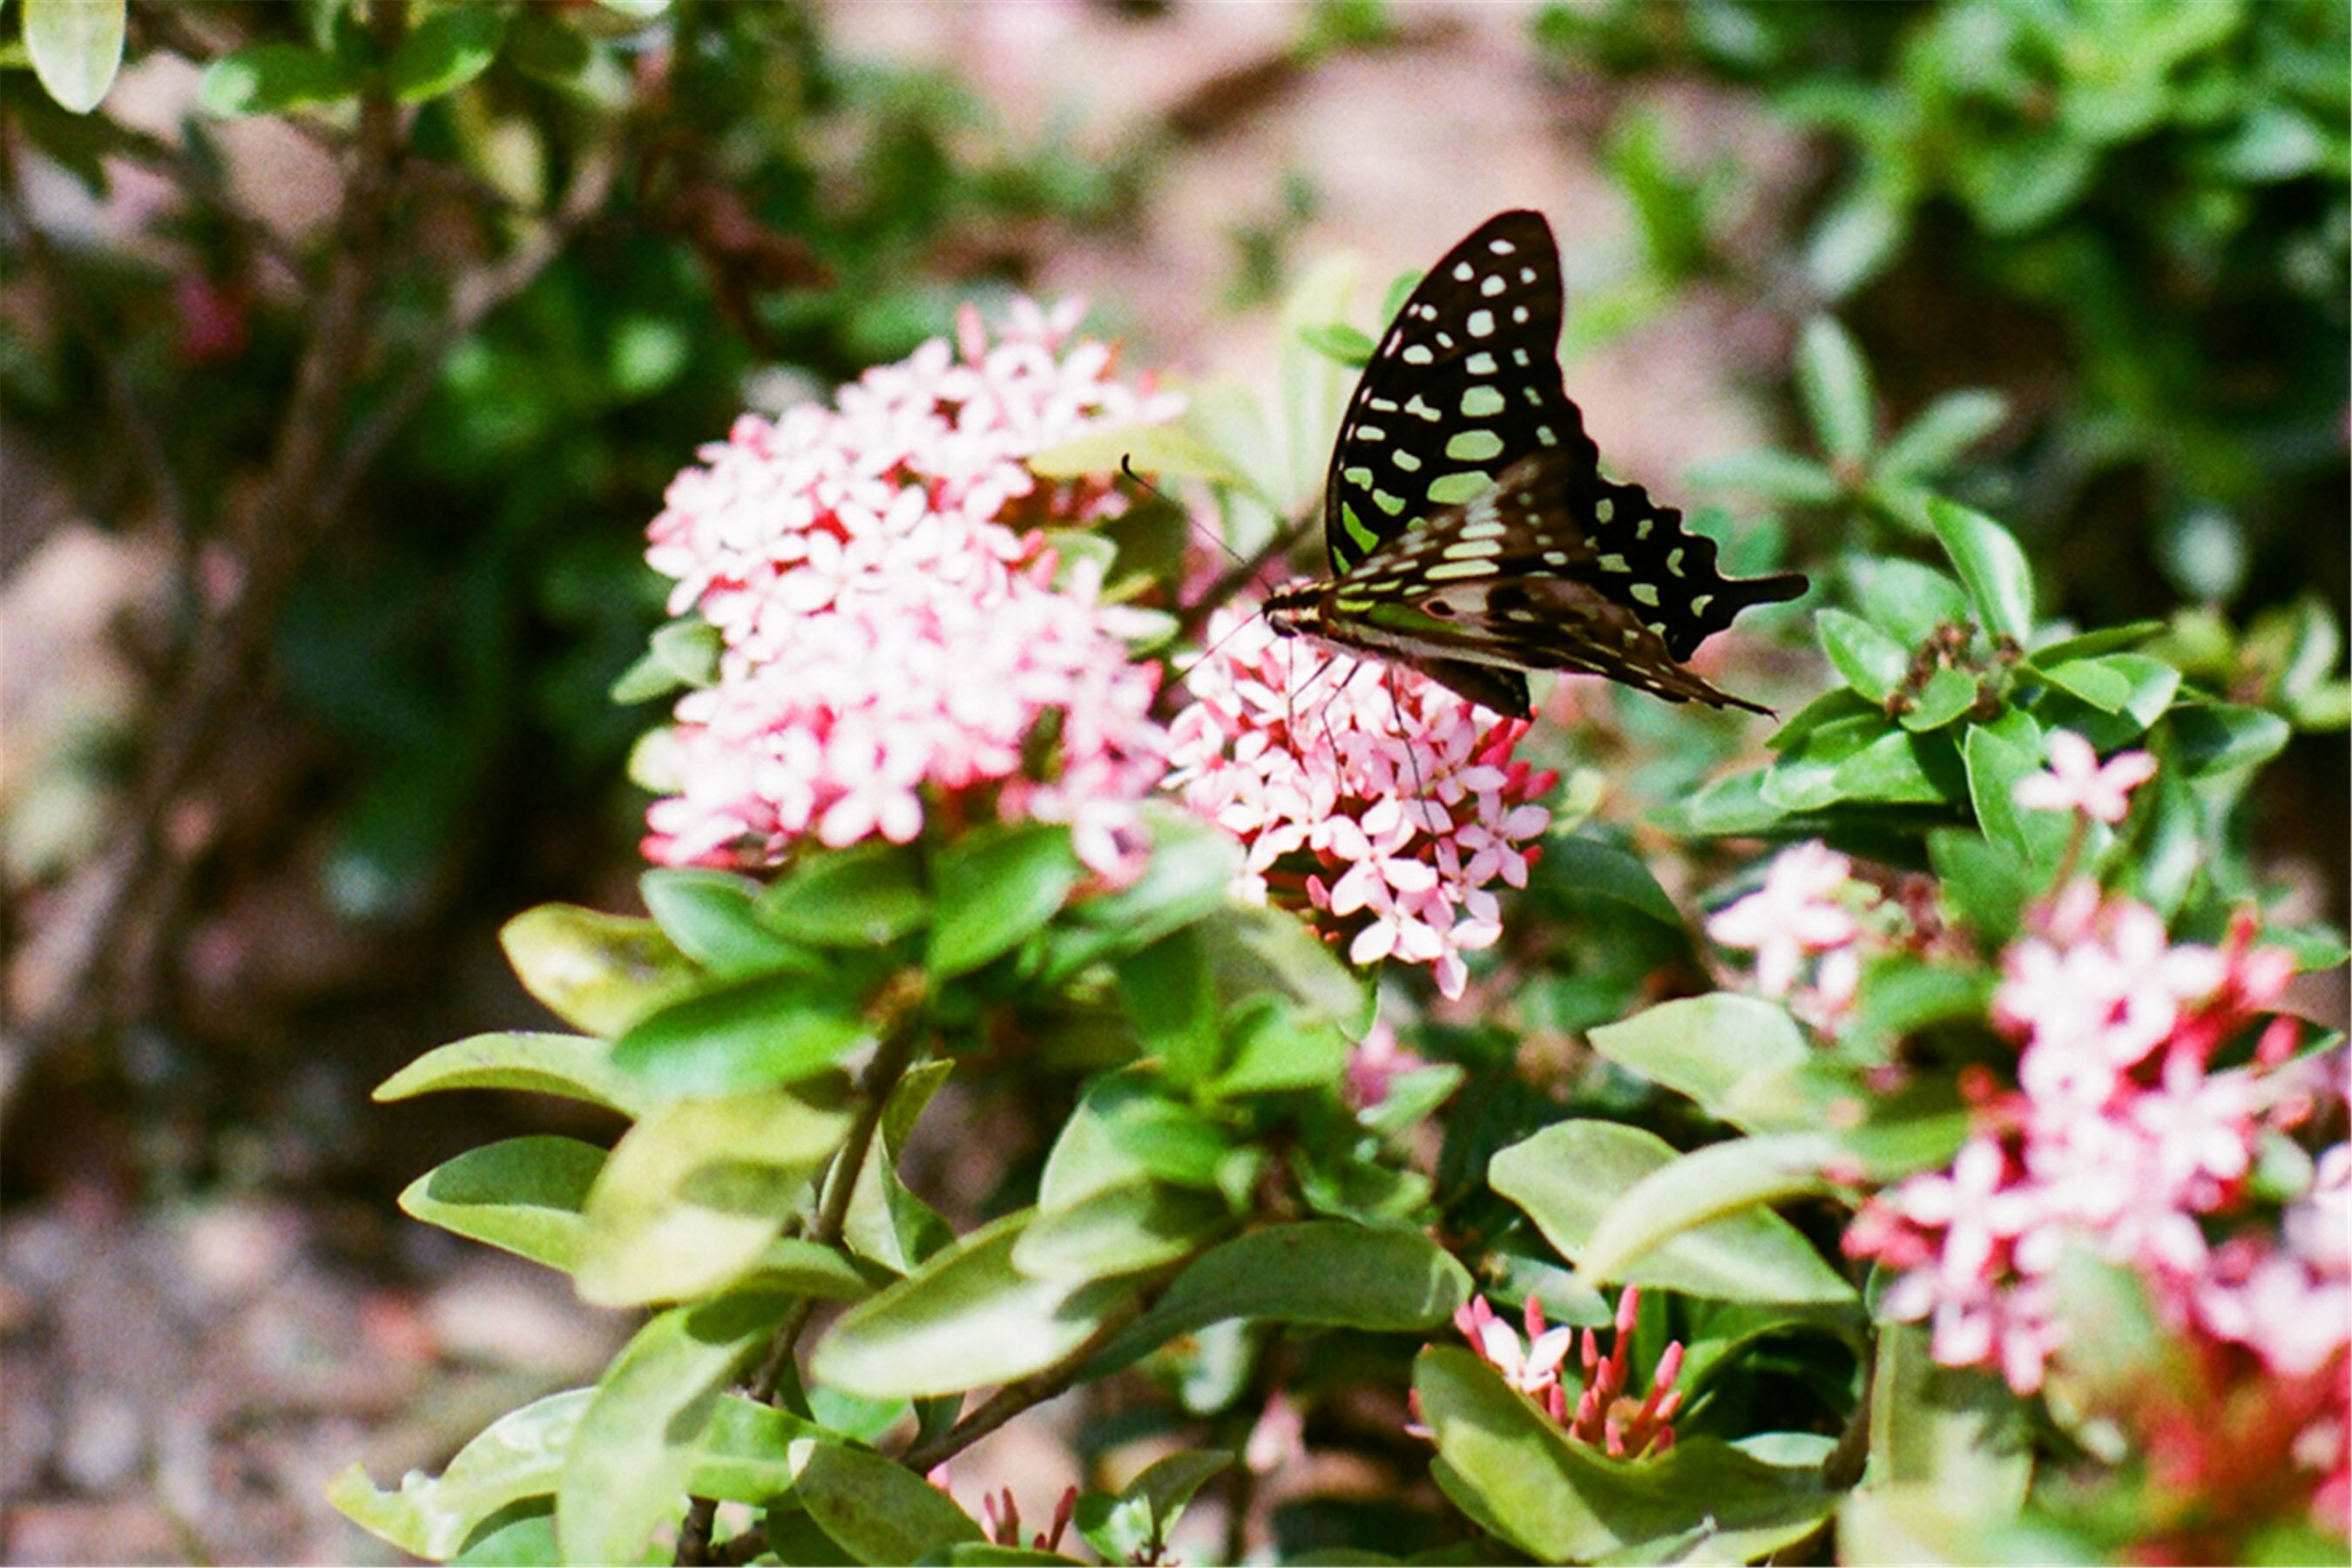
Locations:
column 891, row 629
column 1380, row 800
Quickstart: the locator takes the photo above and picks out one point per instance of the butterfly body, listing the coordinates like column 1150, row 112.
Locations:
column 1471, row 533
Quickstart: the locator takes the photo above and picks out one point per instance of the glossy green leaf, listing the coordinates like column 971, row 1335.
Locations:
column 1619, row 1203
column 1133, row 1526
column 1909, row 600
column 1992, row 566
column 1562, row 1502
column 1995, row 768
column 1269, row 1049
column 1958, row 1429
column 1260, row 949
column 885, row 1222
column 1119, row 1230
column 271, row 78
column 745, row 1456
column 681, row 654
column 881, row 1513
column 643, row 1434
column 2219, row 737
column 1727, row 1052
column 574, row 1066
column 2092, row 643
column 869, row 895
column 1872, row 662
column 1161, row 452
column 518, row 1455
column 1325, row 1272
column 1833, row 382
column 1948, row 695
column 523, row 1195
column 712, row 917
column 1170, row 994
column 776, row 1029
column 444, row 50
column 996, row 886
column 966, row 1319
column 76, row 48
column 1189, row 877
column 693, row 1193
column 520, row 1536
column 1943, row 430
column 1772, row 475
column 1588, row 866
column 596, row 972
column 2091, row 679
column 1985, row 884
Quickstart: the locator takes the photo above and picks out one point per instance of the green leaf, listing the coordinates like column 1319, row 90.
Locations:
column 1910, row 600
column 881, row 1513
column 1985, row 883
column 596, row 972
column 1269, row 1049
column 869, row 895
column 76, row 48
column 1957, row 1429
column 522, row 1194
column 1834, row 382
column 1992, row 566
column 966, row 1319
column 777, row 1029
column 2092, row 644
column 1944, row 429
column 2153, row 686
column 522, row 1536
column 795, row 1267
column 885, row 1222
column 1188, row 878
column 1339, row 342
column 645, row 1431
column 2091, row 679
column 1771, row 475
column 744, row 1458
column 1725, row 1051
column 518, row 1455
column 712, row 916
column 1119, row 1230
column 446, row 50
column 996, row 886
column 1169, row 995
column 2218, row 738
column 269, row 78
column 1526, row 1480
column 1872, row 662
column 1327, row 1272
column 1133, row 1526
column 1995, row 767
column 1258, row 949
column 692, row 1195
column 1162, row 451
column 1621, row 1205
column 574, row 1066
column 681, row 654
column 1948, row 695
column 1857, row 238
column 1580, row 864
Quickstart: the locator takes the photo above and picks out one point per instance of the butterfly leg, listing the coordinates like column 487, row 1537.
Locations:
column 1411, row 753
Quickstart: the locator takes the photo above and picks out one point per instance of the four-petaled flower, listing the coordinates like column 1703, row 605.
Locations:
column 2077, row 782
column 1795, row 912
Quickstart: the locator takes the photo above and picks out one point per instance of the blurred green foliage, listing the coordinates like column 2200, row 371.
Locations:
column 2131, row 219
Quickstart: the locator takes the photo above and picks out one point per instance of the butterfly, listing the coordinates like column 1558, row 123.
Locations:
column 1472, row 536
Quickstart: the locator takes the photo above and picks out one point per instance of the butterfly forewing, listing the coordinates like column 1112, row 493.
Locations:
column 1464, row 381
column 1471, row 531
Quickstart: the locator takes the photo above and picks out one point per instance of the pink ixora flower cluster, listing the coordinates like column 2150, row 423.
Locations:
column 2124, row 1135
column 1603, row 1415
column 1380, row 799
column 890, row 626
column 1807, row 907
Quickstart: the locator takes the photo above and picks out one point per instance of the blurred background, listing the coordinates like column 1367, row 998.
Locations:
column 333, row 420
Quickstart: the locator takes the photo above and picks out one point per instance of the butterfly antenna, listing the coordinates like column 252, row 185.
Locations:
column 1126, row 467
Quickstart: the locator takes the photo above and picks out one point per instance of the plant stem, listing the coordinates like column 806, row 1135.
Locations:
column 880, row 1079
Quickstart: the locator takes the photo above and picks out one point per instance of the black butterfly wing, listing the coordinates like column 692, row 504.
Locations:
column 1515, row 581
column 1464, row 384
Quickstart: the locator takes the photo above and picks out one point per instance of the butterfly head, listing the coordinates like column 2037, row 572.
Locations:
column 1294, row 609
